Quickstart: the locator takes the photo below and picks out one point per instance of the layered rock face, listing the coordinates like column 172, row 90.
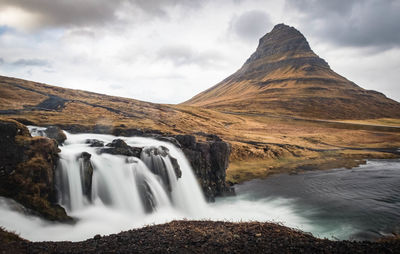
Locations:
column 209, row 161
column 27, row 168
column 284, row 76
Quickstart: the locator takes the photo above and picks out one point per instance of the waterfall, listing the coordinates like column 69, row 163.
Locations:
column 107, row 192
column 132, row 184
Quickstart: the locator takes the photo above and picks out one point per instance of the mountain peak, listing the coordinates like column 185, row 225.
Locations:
column 284, row 76
column 282, row 41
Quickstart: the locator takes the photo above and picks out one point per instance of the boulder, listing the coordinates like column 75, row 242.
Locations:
column 94, row 143
column 119, row 147
column 86, row 171
column 55, row 133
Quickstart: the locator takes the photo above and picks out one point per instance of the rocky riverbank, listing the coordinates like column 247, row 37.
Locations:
column 201, row 237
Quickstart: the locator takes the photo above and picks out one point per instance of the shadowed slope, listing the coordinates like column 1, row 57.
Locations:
column 284, row 76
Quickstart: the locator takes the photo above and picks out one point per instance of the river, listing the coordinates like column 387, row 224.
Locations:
column 362, row 203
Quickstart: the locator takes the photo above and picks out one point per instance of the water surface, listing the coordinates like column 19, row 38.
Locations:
column 360, row 203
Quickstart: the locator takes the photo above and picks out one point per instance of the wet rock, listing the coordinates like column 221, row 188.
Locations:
column 56, row 133
column 209, row 161
column 119, row 147
column 176, row 167
column 145, row 193
column 146, row 196
column 86, row 171
column 154, row 157
column 157, row 165
column 94, row 143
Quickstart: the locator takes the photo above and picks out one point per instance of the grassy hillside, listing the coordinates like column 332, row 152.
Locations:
column 261, row 143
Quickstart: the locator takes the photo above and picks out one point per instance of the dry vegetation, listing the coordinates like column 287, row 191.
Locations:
column 262, row 143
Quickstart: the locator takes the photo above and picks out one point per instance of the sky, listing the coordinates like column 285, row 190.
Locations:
column 167, row 51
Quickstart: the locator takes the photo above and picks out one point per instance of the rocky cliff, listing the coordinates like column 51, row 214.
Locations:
column 209, row 160
column 27, row 166
column 284, row 76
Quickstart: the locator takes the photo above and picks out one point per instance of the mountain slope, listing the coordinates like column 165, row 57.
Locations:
column 284, row 76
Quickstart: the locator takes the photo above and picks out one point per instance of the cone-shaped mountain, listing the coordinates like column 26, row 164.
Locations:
column 284, row 76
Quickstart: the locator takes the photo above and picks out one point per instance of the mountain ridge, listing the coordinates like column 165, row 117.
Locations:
column 285, row 76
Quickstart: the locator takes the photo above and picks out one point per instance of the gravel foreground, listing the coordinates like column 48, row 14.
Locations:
column 201, row 237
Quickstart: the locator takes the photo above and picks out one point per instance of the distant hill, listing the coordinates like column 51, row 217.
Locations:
column 284, row 76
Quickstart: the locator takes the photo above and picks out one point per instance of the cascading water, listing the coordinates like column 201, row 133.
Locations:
column 136, row 185
column 151, row 183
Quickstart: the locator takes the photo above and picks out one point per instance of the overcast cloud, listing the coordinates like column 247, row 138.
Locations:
column 358, row 23
column 251, row 25
column 169, row 50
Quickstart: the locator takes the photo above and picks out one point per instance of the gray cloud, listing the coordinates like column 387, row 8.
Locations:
column 93, row 12
column 250, row 25
column 66, row 13
column 31, row 62
column 184, row 55
column 360, row 23
column 1, row 61
column 158, row 7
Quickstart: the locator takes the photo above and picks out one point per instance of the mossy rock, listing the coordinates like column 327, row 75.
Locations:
column 27, row 167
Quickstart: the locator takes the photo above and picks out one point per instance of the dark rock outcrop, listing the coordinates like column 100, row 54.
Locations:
column 94, row 143
column 55, row 133
column 176, row 167
column 209, row 161
column 119, row 147
column 53, row 102
column 86, row 170
column 27, row 168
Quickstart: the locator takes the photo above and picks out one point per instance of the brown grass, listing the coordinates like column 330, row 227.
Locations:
column 249, row 133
